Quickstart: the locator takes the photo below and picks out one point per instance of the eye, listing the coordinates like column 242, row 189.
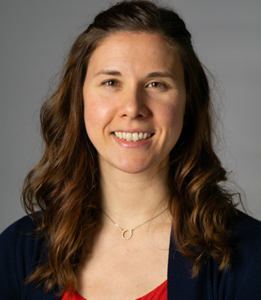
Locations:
column 110, row 82
column 156, row 84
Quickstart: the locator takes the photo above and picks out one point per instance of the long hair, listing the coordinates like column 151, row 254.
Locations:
column 64, row 184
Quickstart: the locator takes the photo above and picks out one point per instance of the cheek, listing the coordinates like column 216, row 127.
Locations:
column 91, row 112
column 96, row 115
column 171, row 109
column 172, row 116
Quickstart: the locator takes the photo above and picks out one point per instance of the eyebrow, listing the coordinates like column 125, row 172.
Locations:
column 160, row 74
column 108, row 72
column 117, row 73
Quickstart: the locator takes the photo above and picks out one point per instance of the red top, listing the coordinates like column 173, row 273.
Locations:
column 159, row 293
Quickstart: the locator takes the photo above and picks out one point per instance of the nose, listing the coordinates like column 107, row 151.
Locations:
column 133, row 104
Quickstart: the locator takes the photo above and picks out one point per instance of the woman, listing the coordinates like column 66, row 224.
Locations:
column 131, row 194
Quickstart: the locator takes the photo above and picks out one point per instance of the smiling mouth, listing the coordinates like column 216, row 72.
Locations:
column 133, row 137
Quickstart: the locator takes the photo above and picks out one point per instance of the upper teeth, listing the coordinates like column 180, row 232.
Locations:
column 132, row 137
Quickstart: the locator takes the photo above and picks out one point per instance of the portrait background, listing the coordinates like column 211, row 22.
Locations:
column 36, row 35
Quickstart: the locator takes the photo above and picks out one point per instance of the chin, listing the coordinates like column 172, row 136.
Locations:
column 136, row 166
column 132, row 168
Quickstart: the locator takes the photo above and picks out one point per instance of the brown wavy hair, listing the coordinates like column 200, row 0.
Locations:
column 64, row 184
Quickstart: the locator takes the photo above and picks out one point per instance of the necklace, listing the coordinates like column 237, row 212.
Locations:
column 123, row 231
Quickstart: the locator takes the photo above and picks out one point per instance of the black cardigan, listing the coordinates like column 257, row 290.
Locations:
column 21, row 252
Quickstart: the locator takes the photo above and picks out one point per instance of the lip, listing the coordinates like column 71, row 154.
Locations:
column 133, row 130
column 132, row 145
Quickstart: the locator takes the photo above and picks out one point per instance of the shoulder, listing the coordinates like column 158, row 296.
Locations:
column 245, row 223
column 21, row 234
column 242, row 279
column 22, row 225
column 21, row 251
column 245, row 237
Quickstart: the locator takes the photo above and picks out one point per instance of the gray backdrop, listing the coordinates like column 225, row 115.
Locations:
column 35, row 36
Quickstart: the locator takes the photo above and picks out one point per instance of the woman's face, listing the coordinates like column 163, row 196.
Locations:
column 134, row 87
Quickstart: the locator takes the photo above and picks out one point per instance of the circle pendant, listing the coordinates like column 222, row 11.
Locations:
column 130, row 234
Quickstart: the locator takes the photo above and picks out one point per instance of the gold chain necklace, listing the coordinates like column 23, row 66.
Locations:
column 123, row 231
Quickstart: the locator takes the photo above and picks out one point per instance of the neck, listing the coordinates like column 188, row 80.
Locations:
column 130, row 199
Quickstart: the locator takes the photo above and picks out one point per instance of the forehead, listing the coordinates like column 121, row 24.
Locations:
column 134, row 50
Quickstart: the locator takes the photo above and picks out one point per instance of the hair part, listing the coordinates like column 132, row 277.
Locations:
column 64, row 184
